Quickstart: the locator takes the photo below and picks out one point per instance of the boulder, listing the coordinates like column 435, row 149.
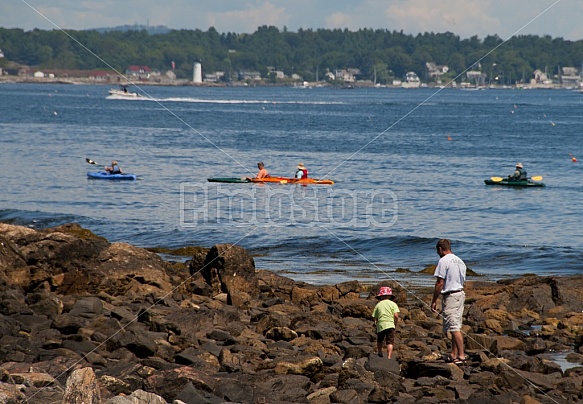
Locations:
column 229, row 268
column 82, row 388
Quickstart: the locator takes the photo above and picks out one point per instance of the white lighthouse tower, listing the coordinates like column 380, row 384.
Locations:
column 197, row 73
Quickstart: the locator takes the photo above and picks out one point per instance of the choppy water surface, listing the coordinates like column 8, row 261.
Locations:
column 409, row 167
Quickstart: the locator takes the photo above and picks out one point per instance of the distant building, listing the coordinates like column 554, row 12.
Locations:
column 570, row 77
column 171, row 75
column 411, row 81
column 96, row 75
column 278, row 73
column 249, row 75
column 100, row 75
column 214, row 77
column 139, row 72
column 435, row 70
column 347, row 75
column 476, row 77
column 540, row 77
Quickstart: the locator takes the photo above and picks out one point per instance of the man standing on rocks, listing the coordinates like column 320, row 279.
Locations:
column 451, row 277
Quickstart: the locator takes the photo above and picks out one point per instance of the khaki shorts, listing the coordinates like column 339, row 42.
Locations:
column 453, row 311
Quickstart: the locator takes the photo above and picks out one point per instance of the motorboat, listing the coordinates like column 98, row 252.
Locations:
column 123, row 92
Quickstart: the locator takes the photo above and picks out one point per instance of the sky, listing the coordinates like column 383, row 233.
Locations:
column 465, row 18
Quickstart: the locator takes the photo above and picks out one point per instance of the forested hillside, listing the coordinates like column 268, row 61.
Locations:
column 383, row 54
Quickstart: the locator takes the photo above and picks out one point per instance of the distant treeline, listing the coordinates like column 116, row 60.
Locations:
column 379, row 54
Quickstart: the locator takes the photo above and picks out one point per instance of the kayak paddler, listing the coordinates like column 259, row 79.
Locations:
column 302, row 172
column 519, row 174
column 114, row 169
column 262, row 171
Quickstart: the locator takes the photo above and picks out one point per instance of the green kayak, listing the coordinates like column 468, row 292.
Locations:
column 506, row 183
column 239, row 180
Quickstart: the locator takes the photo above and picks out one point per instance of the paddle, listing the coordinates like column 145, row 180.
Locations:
column 91, row 161
column 535, row 178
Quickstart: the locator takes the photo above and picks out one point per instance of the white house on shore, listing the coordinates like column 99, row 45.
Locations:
column 411, row 81
column 139, row 72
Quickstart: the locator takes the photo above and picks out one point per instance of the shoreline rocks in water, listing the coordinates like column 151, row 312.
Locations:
column 85, row 320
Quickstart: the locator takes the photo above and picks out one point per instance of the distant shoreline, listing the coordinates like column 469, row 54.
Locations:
column 188, row 83
column 80, row 80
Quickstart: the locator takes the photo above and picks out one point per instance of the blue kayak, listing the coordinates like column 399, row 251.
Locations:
column 103, row 175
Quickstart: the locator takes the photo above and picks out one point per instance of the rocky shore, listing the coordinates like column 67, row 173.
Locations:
column 88, row 321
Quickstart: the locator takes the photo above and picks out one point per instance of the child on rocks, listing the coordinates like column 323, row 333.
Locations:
column 386, row 316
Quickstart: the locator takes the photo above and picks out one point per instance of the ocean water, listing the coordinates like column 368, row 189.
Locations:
column 409, row 167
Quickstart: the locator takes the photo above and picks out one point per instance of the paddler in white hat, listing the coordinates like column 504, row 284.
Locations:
column 302, row 172
column 519, row 174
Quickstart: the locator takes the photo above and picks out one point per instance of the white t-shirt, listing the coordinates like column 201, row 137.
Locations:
column 453, row 271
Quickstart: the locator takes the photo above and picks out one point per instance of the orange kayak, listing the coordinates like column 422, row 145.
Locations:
column 287, row 180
